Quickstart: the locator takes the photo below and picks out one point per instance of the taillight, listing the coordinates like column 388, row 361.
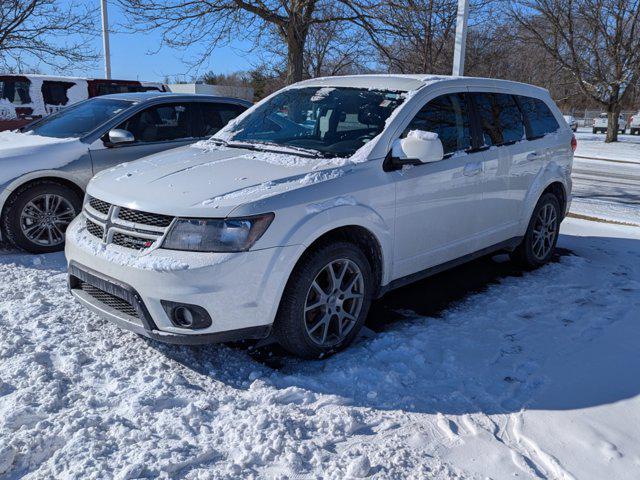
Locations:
column 574, row 143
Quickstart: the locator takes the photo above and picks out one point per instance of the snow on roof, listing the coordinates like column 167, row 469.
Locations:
column 72, row 79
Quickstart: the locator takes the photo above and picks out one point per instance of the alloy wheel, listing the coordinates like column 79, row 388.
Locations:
column 544, row 231
column 334, row 301
column 45, row 218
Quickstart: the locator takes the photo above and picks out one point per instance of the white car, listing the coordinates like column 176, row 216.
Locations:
column 634, row 124
column 572, row 122
column 601, row 123
column 289, row 229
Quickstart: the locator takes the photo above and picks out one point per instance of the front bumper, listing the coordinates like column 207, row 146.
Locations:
column 240, row 292
column 102, row 295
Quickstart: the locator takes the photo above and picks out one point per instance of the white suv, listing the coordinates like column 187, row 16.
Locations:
column 321, row 198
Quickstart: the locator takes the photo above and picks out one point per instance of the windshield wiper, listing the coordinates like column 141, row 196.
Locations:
column 253, row 145
column 219, row 141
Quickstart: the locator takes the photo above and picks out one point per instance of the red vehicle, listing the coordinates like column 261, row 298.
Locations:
column 24, row 98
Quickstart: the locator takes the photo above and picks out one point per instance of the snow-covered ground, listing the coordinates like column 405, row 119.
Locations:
column 532, row 375
column 535, row 377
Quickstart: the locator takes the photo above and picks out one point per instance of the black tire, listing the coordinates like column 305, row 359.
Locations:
column 524, row 254
column 11, row 217
column 595, row 130
column 290, row 327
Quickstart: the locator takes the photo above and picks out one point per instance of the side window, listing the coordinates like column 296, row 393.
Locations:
column 171, row 121
column 215, row 116
column 55, row 93
column 541, row 119
column 510, row 118
column 500, row 118
column 447, row 116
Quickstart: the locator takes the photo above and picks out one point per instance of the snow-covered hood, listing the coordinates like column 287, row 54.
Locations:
column 21, row 153
column 205, row 181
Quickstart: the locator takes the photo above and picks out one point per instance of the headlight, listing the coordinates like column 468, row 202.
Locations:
column 217, row 234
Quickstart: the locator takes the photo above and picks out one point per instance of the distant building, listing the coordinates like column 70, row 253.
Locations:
column 245, row 93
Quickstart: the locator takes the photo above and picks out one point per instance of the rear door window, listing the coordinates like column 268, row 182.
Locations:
column 161, row 123
column 215, row 116
column 541, row 120
column 501, row 121
column 447, row 116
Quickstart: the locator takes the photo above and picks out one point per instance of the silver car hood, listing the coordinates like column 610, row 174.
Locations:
column 22, row 153
column 207, row 182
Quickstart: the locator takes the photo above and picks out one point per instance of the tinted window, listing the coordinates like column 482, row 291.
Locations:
column 541, row 119
column 16, row 91
column 501, row 120
column 160, row 123
column 447, row 116
column 55, row 93
column 111, row 88
column 215, row 116
column 79, row 119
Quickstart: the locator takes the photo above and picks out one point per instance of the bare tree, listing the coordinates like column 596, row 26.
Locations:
column 214, row 22
column 415, row 36
column 596, row 41
column 39, row 31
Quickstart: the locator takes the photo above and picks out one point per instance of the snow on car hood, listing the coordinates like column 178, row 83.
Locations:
column 21, row 153
column 208, row 181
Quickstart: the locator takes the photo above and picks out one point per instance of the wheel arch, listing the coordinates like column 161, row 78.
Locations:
column 553, row 179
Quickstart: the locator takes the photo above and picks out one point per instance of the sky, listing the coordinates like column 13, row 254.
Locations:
column 135, row 56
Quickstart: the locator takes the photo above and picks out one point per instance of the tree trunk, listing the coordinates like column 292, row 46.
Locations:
column 613, row 113
column 296, row 38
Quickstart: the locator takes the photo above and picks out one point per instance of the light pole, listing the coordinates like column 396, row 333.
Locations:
column 461, row 38
column 105, row 39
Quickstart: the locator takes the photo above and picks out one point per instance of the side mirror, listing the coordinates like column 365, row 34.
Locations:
column 118, row 136
column 417, row 148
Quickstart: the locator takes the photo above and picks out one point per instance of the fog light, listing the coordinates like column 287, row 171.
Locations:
column 184, row 315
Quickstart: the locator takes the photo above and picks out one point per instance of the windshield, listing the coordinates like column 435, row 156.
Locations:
column 331, row 121
column 78, row 120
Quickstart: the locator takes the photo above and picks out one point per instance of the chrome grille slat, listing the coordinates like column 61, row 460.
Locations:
column 123, row 226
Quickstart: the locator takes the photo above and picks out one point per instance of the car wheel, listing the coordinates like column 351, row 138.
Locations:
column 326, row 301
column 37, row 215
column 541, row 237
column 595, row 130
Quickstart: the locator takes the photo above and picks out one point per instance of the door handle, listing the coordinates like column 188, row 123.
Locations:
column 533, row 156
column 472, row 169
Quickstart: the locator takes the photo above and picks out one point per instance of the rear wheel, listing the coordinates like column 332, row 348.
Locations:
column 326, row 301
column 541, row 237
column 595, row 130
column 37, row 215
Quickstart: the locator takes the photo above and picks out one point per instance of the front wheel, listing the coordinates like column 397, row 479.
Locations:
column 37, row 215
column 326, row 301
column 541, row 237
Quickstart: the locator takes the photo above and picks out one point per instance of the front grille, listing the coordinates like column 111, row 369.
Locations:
column 100, row 206
column 145, row 218
column 95, row 229
column 109, row 300
column 130, row 241
column 117, row 227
